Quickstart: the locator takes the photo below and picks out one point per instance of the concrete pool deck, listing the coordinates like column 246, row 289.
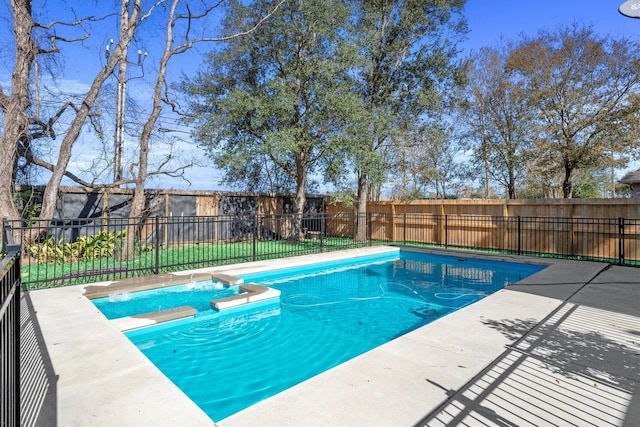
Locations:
column 561, row 347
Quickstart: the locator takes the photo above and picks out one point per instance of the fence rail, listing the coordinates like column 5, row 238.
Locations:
column 71, row 251
column 10, row 338
column 614, row 240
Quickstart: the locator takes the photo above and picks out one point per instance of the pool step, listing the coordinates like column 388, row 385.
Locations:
column 252, row 292
column 143, row 283
column 154, row 317
column 226, row 279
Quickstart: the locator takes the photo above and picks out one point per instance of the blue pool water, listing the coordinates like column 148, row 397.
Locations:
column 197, row 295
column 327, row 314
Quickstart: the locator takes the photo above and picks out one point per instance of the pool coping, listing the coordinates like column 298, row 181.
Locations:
column 102, row 379
column 251, row 294
column 145, row 283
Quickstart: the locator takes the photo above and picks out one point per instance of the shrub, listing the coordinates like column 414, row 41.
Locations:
column 102, row 244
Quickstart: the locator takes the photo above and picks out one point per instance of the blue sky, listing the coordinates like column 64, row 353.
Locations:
column 491, row 20
column 488, row 21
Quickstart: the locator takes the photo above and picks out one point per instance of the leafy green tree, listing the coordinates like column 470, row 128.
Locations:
column 591, row 184
column 584, row 92
column 266, row 104
column 180, row 18
column 405, row 60
column 623, row 190
column 495, row 110
column 426, row 165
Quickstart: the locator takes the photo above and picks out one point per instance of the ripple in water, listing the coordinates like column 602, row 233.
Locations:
column 124, row 296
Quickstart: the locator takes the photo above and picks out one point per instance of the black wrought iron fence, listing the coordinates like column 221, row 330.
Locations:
column 613, row 240
column 71, row 251
column 9, row 336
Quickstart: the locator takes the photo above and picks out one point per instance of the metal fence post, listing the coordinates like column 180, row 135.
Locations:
column 5, row 235
column 620, row 241
column 323, row 218
column 17, row 384
column 519, row 236
column 157, row 245
column 256, row 224
column 404, row 228
column 8, row 245
column 446, row 230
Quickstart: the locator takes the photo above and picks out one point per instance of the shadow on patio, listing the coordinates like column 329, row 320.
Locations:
column 579, row 366
column 37, row 377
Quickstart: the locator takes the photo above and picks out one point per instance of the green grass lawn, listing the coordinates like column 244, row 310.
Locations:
column 40, row 275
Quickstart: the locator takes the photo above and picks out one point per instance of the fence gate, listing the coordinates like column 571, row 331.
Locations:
column 10, row 340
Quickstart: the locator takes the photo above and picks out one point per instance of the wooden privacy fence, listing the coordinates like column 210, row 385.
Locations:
column 601, row 229
column 538, row 208
column 606, row 239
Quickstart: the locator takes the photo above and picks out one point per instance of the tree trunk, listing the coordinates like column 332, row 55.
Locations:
column 51, row 190
column 511, row 187
column 131, row 241
column 297, row 233
column 15, row 105
column 567, row 186
column 361, row 220
column 7, row 159
column 485, row 158
column 137, row 213
column 12, row 132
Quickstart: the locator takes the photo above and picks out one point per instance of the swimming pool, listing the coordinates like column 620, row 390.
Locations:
column 194, row 294
column 327, row 314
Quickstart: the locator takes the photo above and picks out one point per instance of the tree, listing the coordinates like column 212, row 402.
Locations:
column 175, row 19
column 21, row 126
column 584, row 92
column 591, row 184
column 24, row 122
column 496, row 111
column 270, row 99
column 15, row 104
column 403, row 66
column 426, row 164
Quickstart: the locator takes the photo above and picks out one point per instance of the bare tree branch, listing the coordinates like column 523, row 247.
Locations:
column 189, row 17
column 28, row 155
column 178, row 172
column 4, row 99
column 54, row 48
column 151, row 9
column 75, row 23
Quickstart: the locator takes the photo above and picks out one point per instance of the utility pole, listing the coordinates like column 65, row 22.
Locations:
column 121, row 96
column 119, row 128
